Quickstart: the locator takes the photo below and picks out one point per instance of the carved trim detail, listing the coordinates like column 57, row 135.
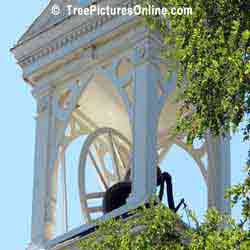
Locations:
column 69, row 38
column 43, row 104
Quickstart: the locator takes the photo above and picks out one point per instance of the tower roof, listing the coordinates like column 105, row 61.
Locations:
column 46, row 20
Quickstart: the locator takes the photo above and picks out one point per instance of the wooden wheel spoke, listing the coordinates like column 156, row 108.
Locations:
column 96, row 195
column 103, row 147
column 102, row 163
column 98, row 170
column 119, row 154
column 106, row 172
column 95, row 209
column 114, row 156
column 100, row 155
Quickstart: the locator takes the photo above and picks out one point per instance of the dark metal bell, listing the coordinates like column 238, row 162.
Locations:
column 116, row 196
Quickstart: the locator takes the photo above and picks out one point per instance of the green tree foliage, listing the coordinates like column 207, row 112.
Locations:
column 211, row 53
column 158, row 228
column 241, row 193
column 210, row 50
column 150, row 229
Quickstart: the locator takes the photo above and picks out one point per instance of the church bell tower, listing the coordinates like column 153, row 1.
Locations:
column 101, row 78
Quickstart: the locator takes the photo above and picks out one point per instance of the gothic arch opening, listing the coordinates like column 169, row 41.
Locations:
column 188, row 182
column 176, row 157
column 98, row 141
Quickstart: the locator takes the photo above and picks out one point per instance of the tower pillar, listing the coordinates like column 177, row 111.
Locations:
column 219, row 172
column 45, row 174
column 145, row 124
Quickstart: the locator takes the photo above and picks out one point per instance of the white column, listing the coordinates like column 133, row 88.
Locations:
column 45, row 174
column 145, row 124
column 64, row 190
column 219, row 172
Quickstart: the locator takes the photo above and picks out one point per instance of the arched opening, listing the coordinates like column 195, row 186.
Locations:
column 181, row 161
column 98, row 143
column 188, row 182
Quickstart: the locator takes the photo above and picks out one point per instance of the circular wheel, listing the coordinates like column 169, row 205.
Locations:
column 108, row 153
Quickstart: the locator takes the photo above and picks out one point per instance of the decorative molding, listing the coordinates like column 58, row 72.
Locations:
column 95, row 23
column 139, row 54
column 120, row 82
column 147, row 49
column 42, row 104
column 62, row 108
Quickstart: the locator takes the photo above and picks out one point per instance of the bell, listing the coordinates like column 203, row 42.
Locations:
column 116, row 196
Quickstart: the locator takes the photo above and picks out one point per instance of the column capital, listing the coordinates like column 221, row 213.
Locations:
column 147, row 50
column 43, row 98
column 42, row 104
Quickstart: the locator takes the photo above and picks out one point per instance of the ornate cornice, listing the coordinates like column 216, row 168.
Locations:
column 64, row 40
column 95, row 23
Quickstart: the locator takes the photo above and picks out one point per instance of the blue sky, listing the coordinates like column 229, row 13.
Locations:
column 17, row 109
column 17, row 128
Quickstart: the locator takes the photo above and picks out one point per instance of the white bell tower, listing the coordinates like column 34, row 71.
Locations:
column 102, row 77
